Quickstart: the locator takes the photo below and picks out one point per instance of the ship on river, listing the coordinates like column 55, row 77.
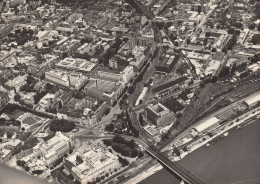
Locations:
column 217, row 139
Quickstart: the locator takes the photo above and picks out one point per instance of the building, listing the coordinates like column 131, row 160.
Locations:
column 139, row 57
column 80, row 65
column 5, row 74
column 152, row 132
column 169, row 88
column 91, row 49
column 8, row 59
column 215, row 63
column 167, row 64
column 69, row 79
column 116, row 75
column 79, row 114
column 252, row 100
column 8, row 147
column 204, row 126
column 158, row 114
column 39, row 67
column 4, row 99
column 54, row 148
column 86, row 111
column 106, row 90
column 66, row 48
column 5, row 30
column 90, row 162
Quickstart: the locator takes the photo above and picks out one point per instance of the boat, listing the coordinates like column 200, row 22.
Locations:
column 238, row 127
column 225, row 134
column 217, row 139
column 208, row 145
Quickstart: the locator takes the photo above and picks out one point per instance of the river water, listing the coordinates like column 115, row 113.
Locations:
column 233, row 160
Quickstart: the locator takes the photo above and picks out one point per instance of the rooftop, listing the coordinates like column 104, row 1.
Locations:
column 169, row 84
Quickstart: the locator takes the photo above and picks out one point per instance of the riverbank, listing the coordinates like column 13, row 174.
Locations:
column 233, row 160
column 244, row 118
column 145, row 174
column 162, row 176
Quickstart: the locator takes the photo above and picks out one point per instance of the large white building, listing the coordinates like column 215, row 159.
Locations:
column 253, row 99
column 106, row 90
column 204, row 126
column 66, row 78
column 124, row 76
column 54, row 148
column 81, row 65
column 90, row 162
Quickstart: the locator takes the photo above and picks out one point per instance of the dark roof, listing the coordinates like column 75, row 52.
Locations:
column 174, row 105
column 169, row 84
column 167, row 67
column 184, row 94
column 98, row 105
column 218, row 56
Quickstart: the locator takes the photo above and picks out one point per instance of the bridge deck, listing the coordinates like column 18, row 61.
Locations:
column 174, row 166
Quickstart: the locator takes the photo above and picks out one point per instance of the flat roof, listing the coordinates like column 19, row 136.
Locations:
column 253, row 98
column 206, row 124
column 169, row 84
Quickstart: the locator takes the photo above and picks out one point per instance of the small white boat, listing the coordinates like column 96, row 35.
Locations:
column 225, row 134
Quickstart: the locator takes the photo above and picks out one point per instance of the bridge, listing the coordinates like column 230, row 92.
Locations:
column 173, row 166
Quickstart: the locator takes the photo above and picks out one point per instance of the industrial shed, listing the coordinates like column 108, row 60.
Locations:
column 206, row 124
column 253, row 99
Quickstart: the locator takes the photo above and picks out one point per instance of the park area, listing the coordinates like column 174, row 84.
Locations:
column 29, row 119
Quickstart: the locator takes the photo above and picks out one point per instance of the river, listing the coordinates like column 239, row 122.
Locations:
column 234, row 160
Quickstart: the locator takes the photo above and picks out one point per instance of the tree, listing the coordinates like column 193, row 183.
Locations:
column 42, row 77
column 107, row 142
column 37, row 172
column 213, row 50
column 179, row 115
column 131, row 144
column 21, row 101
column 230, row 30
column 61, row 125
column 71, row 177
column 26, row 168
column 110, row 127
column 125, row 39
column 224, row 71
column 123, row 161
column 141, row 120
column 207, row 34
column 255, row 39
column 141, row 154
column 252, row 26
column 17, row 97
column 134, row 153
column 202, row 84
column 214, row 79
column 98, row 179
column 20, row 163
column 77, row 182
column 44, row 44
